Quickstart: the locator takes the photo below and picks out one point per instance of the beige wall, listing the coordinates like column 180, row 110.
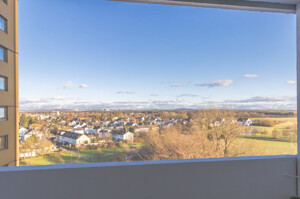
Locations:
column 9, row 69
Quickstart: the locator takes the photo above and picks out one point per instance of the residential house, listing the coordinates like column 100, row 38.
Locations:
column 32, row 132
column 122, row 135
column 78, row 130
column 104, row 133
column 245, row 121
column 68, row 137
column 105, row 123
column 90, row 130
column 73, row 123
column 22, row 132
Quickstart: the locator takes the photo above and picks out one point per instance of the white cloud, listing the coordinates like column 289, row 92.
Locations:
column 57, row 98
column 290, row 82
column 119, row 105
column 261, row 102
column 83, row 86
column 176, row 85
column 126, row 92
column 187, row 95
column 218, row 83
column 251, row 76
column 70, row 84
column 43, row 101
column 252, row 103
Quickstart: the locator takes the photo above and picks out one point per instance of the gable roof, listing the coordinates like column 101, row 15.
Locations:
column 32, row 131
column 70, row 134
column 119, row 132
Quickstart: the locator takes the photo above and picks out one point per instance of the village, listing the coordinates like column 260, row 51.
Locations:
column 85, row 136
column 77, row 132
column 57, row 131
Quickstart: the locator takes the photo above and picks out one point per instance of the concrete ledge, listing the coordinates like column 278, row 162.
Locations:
column 280, row 6
column 139, row 163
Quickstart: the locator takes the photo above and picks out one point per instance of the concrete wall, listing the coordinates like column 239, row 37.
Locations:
column 230, row 178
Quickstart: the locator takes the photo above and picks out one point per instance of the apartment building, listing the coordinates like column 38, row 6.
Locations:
column 9, row 83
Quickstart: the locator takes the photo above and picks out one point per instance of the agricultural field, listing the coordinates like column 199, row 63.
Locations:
column 266, row 144
column 280, row 124
column 260, row 147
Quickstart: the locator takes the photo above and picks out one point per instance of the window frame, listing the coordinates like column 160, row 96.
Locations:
column 5, row 84
column 5, row 148
column 5, row 113
column 5, row 24
column 5, row 54
column 4, row 1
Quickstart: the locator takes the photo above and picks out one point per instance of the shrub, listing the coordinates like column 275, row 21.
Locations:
column 268, row 123
column 275, row 134
column 264, row 133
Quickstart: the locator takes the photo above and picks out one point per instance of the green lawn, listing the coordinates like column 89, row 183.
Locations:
column 136, row 144
column 105, row 155
column 108, row 158
column 62, row 158
column 95, row 152
column 267, row 146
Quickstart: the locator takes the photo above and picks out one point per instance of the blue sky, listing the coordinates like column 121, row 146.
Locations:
column 97, row 54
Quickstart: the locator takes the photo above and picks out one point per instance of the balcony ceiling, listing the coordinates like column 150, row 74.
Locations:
column 280, row 6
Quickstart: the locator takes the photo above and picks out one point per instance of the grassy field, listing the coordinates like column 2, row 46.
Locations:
column 92, row 155
column 56, row 158
column 283, row 124
column 95, row 152
column 63, row 158
column 267, row 145
column 261, row 146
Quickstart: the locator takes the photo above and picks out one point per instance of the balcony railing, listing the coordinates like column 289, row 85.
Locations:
column 272, row 177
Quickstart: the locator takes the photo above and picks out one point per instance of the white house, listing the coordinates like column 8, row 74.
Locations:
column 78, row 126
column 32, row 132
column 83, row 125
column 142, row 129
column 67, row 137
column 122, row 135
column 105, row 123
column 27, row 154
column 22, row 132
column 78, row 130
column 73, row 123
column 245, row 121
column 63, row 122
column 90, row 130
column 104, row 133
